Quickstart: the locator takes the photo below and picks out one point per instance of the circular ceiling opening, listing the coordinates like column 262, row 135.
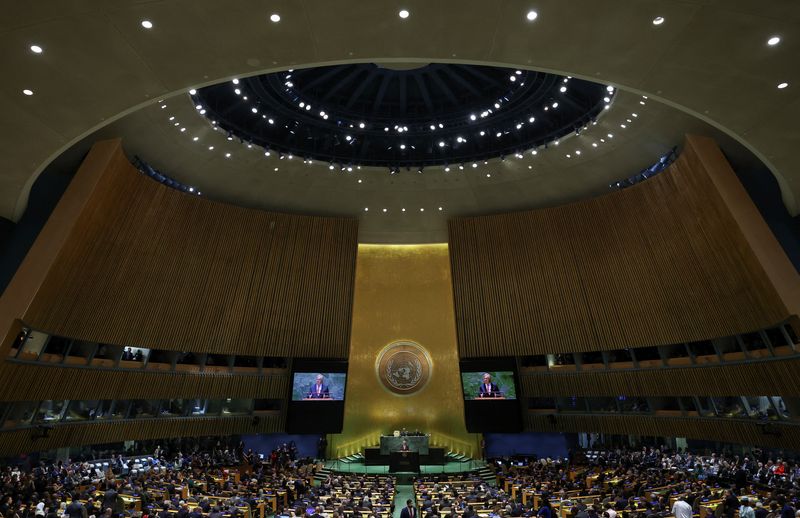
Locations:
column 371, row 115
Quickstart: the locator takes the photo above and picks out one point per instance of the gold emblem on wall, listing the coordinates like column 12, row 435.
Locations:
column 403, row 367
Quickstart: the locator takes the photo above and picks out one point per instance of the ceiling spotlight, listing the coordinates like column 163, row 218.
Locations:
column 440, row 208
column 237, row 91
column 183, row 129
column 271, row 121
column 534, row 152
column 227, row 155
column 348, row 138
column 441, row 125
column 147, row 24
column 403, row 209
column 634, row 114
column 196, row 139
column 359, row 180
column 512, row 78
column 366, row 209
column 461, row 167
column 446, row 169
column 474, row 165
column 402, row 146
column 483, row 133
column 519, row 126
column 771, row 42
column 610, row 89
column 555, row 105
column 497, row 105
column 460, row 139
column 384, row 210
column 36, row 49
column 499, row 134
column 607, row 99
column 422, row 209
column 27, row 92
column 202, row 112
column 473, row 117
column 361, row 125
column 658, row 20
column 254, row 109
column 622, row 126
column 403, row 14
column 531, row 119
column 532, row 15
column 594, row 144
column 782, row 86
column 610, row 135
column 441, row 143
column 433, row 127
column 211, row 148
column 275, row 18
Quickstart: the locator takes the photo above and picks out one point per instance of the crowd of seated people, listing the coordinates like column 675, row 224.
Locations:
column 214, row 482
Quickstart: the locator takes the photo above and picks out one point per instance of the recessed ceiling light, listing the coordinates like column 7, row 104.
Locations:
column 532, row 15
column 211, row 148
column 658, row 20
column 227, row 155
column 403, row 14
column 275, row 18
column 563, row 89
column 147, row 24
column 403, row 209
column 359, row 180
column 774, row 40
column 36, row 49
column 192, row 91
column 440, row 208
column 196, row 139
column 474, row 164
column 384, row 210
column 421, row 209
column 782, row 86
column 27, row 92
column 183, row 129
column 441, row 143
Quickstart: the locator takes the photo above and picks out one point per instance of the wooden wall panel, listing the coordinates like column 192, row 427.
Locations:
column 150, row 266
column 21, row 441
column 757, row 378
column 657, row 263
column 25, row 382
column 712, row 429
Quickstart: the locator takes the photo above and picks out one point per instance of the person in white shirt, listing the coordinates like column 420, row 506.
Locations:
column 682, row 509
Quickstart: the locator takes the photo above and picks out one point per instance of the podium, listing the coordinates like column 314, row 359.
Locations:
column 404, row 461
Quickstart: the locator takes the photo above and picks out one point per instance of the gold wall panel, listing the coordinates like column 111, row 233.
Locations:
column 403, row 292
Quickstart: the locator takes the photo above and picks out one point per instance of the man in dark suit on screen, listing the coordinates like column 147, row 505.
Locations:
column 487, row 388
column 408, row 511
column 318, row 389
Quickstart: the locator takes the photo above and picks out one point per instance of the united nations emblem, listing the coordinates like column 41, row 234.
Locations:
column 403, row 367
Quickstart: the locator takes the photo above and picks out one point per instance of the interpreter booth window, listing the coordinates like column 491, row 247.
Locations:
column 777, row 337
column 571, row 404
column 20, row 414
column 620, row 358
column 602, row 404
column 213, row 407
column 33, row 345
column 112, row 409
column 703, row 349
column 767, row 407
column 755, row 345
column 534, row 361
column 593, row 358
column 731, row 406
column 650, row 355
column 237, row 407
column 730, row 348
column 199, row 406
column 542, row 404
column 134, row 357
column 175, row 407
column 144, row 408
column 80, row 352
column 81, row 410
column 633, row 405
column 675, row 354
column 563, row 360
column 245, row 364
column 50, row 412
column 56, row 349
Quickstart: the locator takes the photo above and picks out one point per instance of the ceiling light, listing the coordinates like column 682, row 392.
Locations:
column 771, row 42
column 348, row 137
column 610, row 135
column 440, row 208
column 594, row 144
column 196, row 139
column 610, row 89
column 532, row 15
column 441, row 125
column 555, row 105
column 384, row 210
column 276, row 169
column 359, row 180
column 658, row 20
column 147, row 24
column 607, row 99
column 275, row 18
column 532, row 119
column 27, row 92
column 446, row 169
column 271, row 121
column 433, row 127
column 483, row 133
column 421, row 209
column 211, row 148
column 361, row 125
column 172, row 118
column 473, row 117
column 474, row 164
column 237, row 91
column 403, row 14
column 577, row 152
column 563, row 89
column 499, row 134
column 183, row 129
column 227, row 155
column 534, row 152
column 366, row 209
column 36, row 49
column 403, row 209
column 634, row 114
column 622, row 126
column 402, row 146
column 254, row 109
column 202, row 112
column 782, row 86
column 441, row 143
column 512, row 78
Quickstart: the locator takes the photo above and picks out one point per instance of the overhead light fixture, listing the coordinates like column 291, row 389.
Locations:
column 275, row 18
column 441, row 143
column 192, row 91
column 610, row 89
column 36, row 49
column 658, row 20
column 147, row 24
column 28, row 92
column 781, row 86
column 403, row 14
column 227, row 155
column 563, row 89
column 196, row 139
column 774, row 40
column 532, row 15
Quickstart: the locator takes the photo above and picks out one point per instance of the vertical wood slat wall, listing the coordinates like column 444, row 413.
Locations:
column 19, row 441
column 45, row 382
column 658, row 263
column 711, row 429
column 150, row 266
column 752, row 378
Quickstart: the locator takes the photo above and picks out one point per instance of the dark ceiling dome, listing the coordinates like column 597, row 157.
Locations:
column 366, row 114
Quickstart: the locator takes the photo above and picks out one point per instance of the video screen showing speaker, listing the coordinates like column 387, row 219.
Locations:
column 318, row 386
column 495, row 385
column 316, row 403
column 490, row 395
